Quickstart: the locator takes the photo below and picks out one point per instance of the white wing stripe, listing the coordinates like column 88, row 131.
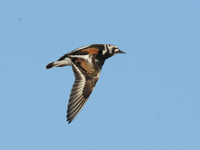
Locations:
column 76, row 99
column 86, row 57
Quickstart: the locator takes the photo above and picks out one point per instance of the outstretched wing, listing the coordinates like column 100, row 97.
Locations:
column 86, row 75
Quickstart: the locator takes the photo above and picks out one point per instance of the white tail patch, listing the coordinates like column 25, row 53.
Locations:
column 65, row 62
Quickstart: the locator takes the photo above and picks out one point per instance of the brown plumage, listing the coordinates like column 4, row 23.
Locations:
column 86, row 63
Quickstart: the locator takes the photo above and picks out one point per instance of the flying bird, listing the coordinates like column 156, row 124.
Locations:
column 86, row 63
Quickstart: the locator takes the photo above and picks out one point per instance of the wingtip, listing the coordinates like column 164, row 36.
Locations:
column 68, row 120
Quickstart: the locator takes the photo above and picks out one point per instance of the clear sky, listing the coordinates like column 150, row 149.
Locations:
column 147, row 99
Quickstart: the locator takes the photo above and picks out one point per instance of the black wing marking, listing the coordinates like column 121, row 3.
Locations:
column 81, row 90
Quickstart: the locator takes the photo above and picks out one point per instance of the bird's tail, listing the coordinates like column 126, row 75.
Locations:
column 59, row 63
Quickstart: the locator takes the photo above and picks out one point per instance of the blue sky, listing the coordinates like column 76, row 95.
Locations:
column 146, row 99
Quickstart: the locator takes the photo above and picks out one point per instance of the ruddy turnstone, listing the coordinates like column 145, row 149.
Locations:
column 86, row 63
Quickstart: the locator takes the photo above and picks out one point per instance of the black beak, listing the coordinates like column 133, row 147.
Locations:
column 121, row 52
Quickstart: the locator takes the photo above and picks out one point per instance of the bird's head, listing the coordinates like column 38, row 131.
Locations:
column 107, row 50
column 111, row 50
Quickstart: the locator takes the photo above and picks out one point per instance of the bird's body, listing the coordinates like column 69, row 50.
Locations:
column 86, row 63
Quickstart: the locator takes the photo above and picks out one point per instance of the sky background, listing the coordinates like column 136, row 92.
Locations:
column 147, row 99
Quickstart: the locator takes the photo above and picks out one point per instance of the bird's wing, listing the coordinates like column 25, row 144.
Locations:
column 86, row 75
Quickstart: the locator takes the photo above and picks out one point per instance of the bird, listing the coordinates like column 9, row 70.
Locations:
column 86, row 63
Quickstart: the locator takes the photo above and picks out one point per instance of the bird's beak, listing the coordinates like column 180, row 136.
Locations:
column 121, row 52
